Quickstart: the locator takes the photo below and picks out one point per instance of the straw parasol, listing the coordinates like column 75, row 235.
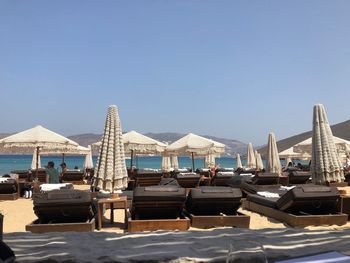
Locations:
column 342, row 147
column 259, row 162
column 251, row 162
column 88, row 163
column 111, row 171
column 325, row 163
column 174, row 162
column 273, row 164
column 38, row 138
column 36, row 162
column 166, row 165
column 239, row 162
column 195, row 145
column 288, row 160
column 290, row 153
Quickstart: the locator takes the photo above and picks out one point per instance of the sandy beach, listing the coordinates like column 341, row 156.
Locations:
column 273, row 239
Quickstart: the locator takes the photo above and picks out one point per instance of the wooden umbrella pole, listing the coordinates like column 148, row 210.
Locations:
column 62, row 157
column 131, row 159
column 37, row 162
column 192, row 162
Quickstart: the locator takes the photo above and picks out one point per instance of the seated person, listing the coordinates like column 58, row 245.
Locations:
column 52, row 175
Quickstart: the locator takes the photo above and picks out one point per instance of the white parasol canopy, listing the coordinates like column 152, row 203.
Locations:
column 325, row 163
column 139, row 143
column 88, row 163
column 26, row 141
column 111, row 171
column 290, row 153
column 239, row 162
column 251, row 162
column 273, row 164
column 259, row 162
column 342, row 147
column 36, row 160
column 196, row 146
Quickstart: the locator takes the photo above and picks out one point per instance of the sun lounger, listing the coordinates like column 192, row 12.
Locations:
column 40, row 175
column 147, row 177
column 210, row 206
column 75, row 177
column 63, row 206
column 188, row 180
column 8, row 188
column 158, row 207
column 222, row 178
column 299, row 206
column 298, row 177
column 265, row 178
column 203, row 171
column 22, row 174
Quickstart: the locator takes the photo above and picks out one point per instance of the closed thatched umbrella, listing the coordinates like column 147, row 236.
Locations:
column 174, row 162
column 239, row 162
column 251, row 162
column 111, row 171
column 36, row 160
column 259, row 163
column 325, row 163
column 166, row 165
column 273, row 164
column 88, row 163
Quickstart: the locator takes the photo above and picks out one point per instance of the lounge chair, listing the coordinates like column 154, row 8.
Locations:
column 222, row 178
column 210, row 206
column 265, row 178
column 147, row 177
column 188, row 180
column 298, row 177
column 22, row 174
column 40, row 175
column 8, row 188
column 203, row 171
column 71, row 176
column 302, row 205
column 63, row 206
column 158, row 207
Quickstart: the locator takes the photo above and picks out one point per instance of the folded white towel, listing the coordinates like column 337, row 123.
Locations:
column 50, row 187
column 287, row 188
column 3, row 179
column 268, row 194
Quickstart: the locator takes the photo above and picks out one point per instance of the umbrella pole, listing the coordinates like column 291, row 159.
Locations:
column 192, row 162
column 131, row 157
column 62, row 157
column 37, row 162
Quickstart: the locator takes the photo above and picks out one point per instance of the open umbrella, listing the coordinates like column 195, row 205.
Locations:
column 195, row 146
column 273, row 164
column 251, row 162
column 239, row 162
column 38, row 138
column 111, row 171
column 325, row 163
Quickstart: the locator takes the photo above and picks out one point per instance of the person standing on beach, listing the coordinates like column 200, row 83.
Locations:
column 52, row 174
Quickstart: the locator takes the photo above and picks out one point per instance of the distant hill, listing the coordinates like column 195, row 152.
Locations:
column 86, row 138
column 341, row 130
column 3, row 135
column 232, row 146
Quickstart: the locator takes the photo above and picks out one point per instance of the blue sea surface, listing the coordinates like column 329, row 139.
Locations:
column 9, row 163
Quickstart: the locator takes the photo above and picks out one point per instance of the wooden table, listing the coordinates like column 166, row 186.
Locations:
column 115, row 203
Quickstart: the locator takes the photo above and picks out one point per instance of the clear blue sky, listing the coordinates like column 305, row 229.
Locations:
column 233, row 69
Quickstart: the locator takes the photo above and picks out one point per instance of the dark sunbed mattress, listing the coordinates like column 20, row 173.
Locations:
column 8, row 186
column 265, row 201
column 265, row 178
column 298, row 177
column 63, row 205
column 213, row 200
column 254, row 188
column 159, row 193
column 73, row 176
column 158, row 202
column 313, row 199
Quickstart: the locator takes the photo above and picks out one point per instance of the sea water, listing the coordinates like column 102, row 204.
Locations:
column 9, row 163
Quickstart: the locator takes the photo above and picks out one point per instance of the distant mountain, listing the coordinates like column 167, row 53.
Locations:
column 232, row 146
column 341, row 130
column 3, row 135
column 86, row 138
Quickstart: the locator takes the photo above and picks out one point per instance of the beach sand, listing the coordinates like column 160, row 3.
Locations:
column 274, row 239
